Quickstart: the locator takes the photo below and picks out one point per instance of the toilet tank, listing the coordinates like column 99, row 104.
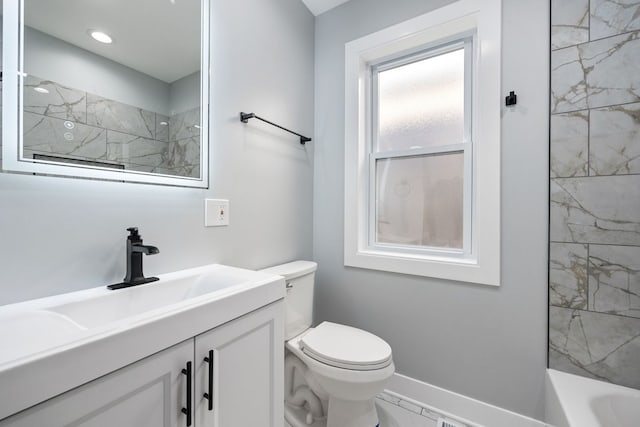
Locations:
column 300, row 278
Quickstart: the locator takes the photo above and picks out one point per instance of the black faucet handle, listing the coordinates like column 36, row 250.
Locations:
column 134, row 237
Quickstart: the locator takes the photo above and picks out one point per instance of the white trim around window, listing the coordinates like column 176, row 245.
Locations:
column 479, row 262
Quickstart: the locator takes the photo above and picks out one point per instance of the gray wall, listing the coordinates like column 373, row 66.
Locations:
column 594, row 282
column 59, row 234
column 184, row 94
column 484, row 342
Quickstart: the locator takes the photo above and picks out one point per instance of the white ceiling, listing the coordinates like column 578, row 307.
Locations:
column 160, row 38
column 320, row 6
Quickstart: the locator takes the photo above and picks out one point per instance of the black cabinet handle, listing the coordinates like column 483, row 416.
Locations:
column 187, row 410
column 209, row 395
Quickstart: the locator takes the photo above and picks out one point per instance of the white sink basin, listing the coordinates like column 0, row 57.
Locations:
column 30, row 331
column 116, row 305
column 38, row 326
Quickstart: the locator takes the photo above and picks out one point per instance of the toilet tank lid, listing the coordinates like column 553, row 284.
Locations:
column 291, row 270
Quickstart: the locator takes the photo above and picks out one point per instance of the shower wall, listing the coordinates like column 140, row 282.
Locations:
column 594, row 286
column 65, row 124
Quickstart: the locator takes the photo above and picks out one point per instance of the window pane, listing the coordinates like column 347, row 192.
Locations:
column 419, row 200
column 422, row 104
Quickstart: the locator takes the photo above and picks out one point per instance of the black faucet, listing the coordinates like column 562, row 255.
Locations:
column 135, row 249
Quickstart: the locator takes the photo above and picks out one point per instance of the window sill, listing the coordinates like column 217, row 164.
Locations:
column 441, row 267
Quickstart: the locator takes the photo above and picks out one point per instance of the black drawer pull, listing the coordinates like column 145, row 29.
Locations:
column 187, row 410
column 209, row 395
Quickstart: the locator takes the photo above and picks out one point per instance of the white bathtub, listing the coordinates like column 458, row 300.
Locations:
column 574, row 401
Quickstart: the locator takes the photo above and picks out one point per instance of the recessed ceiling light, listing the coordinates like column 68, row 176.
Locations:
column 164, row 124
column 41, row 89
column 100, row 36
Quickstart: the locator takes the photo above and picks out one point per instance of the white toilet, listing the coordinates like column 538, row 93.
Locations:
column 332, row 372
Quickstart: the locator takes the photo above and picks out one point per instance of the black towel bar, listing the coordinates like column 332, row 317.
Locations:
column 244, row 118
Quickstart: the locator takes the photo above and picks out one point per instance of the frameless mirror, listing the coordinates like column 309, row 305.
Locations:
column 107, row 89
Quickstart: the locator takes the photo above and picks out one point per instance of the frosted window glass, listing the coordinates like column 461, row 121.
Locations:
column 419, row 200
column 421, row 104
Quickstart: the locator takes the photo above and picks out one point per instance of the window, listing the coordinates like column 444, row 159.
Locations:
column 422, row 146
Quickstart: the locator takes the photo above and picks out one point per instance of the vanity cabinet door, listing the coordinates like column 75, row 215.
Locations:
column 247, row 387
column 148, row 393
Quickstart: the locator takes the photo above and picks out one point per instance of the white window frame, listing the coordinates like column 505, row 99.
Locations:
column 479, row 261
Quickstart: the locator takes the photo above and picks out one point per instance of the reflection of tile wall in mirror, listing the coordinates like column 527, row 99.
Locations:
column 184, row 156
column 43, row 134
column 184, row 125
column 120, row 117
column 136, row 152
column 54, row 100
column 162, row 128
column 63, row 121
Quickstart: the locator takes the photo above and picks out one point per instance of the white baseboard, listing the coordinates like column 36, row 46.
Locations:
column 467, row 410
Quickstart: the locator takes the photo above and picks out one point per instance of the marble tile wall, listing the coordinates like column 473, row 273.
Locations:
column 594, row 263
column 80, row 126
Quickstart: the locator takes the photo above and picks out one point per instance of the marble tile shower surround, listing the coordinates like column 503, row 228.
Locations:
column 570, row 22
column 596, row 74
column 609, row 18
column 603, row 209
column 596, row 345
column 568, row 277
column 594, row 263
column 71, row 123
column 614, row 280
column 614, row 140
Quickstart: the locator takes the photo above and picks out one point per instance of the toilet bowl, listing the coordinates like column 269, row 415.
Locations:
column 333, row 371
column 350, row 367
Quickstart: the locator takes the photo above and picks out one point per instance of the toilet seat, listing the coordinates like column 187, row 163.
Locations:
column 345, row 347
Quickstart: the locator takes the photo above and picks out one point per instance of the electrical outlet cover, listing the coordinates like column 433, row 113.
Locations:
column 216, row 212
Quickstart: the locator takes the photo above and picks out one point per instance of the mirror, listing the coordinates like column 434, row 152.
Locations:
column 107, row 89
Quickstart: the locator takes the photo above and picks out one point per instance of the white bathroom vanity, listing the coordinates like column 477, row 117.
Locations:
column 200, row 347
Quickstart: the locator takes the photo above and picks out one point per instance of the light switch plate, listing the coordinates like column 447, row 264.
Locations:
column 216, row 212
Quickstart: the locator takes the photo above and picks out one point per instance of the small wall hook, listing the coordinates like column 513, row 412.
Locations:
column 512, row 99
